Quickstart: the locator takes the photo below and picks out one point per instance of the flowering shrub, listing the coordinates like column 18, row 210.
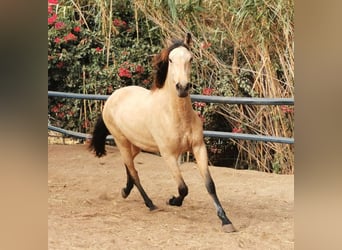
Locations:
column 81, row 60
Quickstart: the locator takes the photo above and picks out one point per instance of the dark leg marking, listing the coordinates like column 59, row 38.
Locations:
column 178, row 201
column 127, row 190
column 220, row 211
column 130, row 182
column 148, row 201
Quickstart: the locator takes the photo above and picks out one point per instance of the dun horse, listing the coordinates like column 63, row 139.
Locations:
column 158, row 120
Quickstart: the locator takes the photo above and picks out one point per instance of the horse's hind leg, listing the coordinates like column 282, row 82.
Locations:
column 132, row 174
column 130, row 182
column 182, row 187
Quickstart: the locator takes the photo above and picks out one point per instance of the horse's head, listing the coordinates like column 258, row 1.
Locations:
column 173, row 66
column 179, row 70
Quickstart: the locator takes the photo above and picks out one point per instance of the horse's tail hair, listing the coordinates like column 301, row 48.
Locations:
column 98, row 140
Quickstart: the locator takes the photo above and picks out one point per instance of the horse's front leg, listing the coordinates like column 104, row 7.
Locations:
column 201, row 156
column 182, row 187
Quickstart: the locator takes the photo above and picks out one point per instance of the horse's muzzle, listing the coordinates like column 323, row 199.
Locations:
column 183, row 91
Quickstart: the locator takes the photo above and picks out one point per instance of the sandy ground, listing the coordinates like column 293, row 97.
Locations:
column 86, row 210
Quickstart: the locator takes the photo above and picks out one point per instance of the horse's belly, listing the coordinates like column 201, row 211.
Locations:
column 140, row 137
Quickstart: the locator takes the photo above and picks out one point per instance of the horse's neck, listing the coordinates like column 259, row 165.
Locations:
column 180, row 108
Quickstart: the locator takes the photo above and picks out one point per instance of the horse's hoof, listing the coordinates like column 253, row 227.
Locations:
column 123, row 193
column 228, row 228
column 175, row 201
column 154, row 208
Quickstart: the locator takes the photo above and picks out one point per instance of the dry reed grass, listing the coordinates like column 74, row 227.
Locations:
column 261, row 34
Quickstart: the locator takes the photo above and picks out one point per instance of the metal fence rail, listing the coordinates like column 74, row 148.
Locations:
column 199, row 98
column 196, row 98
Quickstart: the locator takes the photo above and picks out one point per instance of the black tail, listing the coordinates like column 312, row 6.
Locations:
column 98, row 140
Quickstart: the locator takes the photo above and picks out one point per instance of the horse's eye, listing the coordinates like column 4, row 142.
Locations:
column 170, row 60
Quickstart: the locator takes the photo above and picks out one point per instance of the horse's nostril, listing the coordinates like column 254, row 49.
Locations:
column 177, row 85
column 188, row 86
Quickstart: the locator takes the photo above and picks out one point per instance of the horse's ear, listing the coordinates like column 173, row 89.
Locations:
column 188, row 39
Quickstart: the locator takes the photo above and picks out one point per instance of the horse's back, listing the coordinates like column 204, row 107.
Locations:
column 129, row 91
column 126, row 95
column 125, row 104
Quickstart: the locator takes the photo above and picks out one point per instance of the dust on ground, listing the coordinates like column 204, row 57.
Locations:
column 86, row 210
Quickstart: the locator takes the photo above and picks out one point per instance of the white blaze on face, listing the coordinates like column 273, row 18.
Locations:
column 180, row 67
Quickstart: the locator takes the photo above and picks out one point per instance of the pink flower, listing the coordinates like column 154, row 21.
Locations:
column 77, row 29
column 207, row 91
column 55, row 109
column 57, row 40
column 52, row 19
column 53, row 2
column 123, row 72
column 59, row 25
column 50, row 9
column 205, row 45
column 237, row 130
column 69, row 37
column 98, row 49
column 146, row 82
column 139, row 69
column 286, row 109
column 61, row 115
column 119, row 23
column 199, row 104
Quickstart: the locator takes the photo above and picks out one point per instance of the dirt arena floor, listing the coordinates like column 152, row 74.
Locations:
column 86, row 210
